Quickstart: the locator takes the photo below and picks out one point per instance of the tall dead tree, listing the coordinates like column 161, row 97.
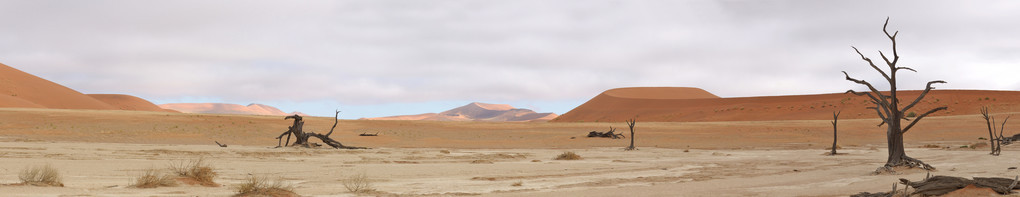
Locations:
column 630, row 123
column 835, row 118
column 301, row 137
column 995, row 138
column 887, row 106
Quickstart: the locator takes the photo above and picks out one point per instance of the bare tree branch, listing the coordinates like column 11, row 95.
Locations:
column 923, row 94
column 906, row 68
column 871, row 63
column 905, row 129
column 882, row 98
column 335, row 121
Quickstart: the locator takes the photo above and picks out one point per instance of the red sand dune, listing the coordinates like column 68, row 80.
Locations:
column 29, row 89
column 478, row 112
column 128, row 102
column 226, row 108
column 660, row 104
column 23, row 90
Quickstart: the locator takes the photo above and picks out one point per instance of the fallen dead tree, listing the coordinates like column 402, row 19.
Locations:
column 301, row 137
column 608, row 134
column 942, row 185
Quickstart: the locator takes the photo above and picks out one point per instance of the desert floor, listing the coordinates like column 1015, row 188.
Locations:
column 99, row 153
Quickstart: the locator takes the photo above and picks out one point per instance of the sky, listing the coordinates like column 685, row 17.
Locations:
column 377, row 58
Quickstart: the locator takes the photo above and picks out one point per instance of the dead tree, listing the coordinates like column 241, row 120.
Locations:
column 995, row 138
column 630, row 123
column 835, row 118
column 301, row 137
column 887, row 106
column 607, row 134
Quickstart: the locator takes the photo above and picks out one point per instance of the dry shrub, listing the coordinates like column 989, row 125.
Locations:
column 358, row 183
column 518, row 184
column 444, row 151
column 260, row 186
column 196, row 171
column 44, row 175
column 153, row 178
column 568, row 156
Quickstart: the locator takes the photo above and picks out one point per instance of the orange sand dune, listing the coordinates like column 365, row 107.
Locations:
column 478, row 112
column 226, row 108
column 128, row 102
column 31, row 91
column 23, row 90
column 692, row 104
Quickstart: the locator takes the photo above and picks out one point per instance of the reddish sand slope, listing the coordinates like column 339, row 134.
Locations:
column 673, row 104
column 22, row 90
column 478, row 112
column 128, row 102
column 30, row 91
column 226, row 108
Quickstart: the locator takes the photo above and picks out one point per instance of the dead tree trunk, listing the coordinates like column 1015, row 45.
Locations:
column 887, row 106
column 630, row 123
column 995, row 138
column 835, row 118
column 301, row 137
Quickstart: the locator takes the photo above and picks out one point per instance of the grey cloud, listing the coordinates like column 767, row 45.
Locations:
column 372, row 52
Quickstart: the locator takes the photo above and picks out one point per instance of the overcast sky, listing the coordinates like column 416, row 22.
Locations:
column 379, row 58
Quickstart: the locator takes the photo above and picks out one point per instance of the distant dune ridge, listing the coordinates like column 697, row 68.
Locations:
column 22, row 90
column 479, row 112
column 679, row 104
column 226, row 108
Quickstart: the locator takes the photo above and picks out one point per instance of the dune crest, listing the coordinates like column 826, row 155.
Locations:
column 227, row 108
column 23, row 90
column 479, row 112
column 658, row 104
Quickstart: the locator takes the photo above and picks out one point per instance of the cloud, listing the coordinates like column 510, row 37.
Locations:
column 380, row 52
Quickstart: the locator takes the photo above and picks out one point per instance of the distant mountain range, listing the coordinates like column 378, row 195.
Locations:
column 479, row 112
column 226, row 108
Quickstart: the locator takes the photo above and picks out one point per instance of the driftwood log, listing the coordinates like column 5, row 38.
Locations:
column 301, row 137
column 608, row 134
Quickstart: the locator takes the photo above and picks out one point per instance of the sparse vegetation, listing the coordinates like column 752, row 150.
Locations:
column 518, row 184
column 44, row 175
column 196, row 170
column 358, row 183
column 260, row 186
column 911, row 115
column 568, row 156
column 153, row 178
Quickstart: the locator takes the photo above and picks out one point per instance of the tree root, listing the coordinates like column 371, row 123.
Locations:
column 904, row 161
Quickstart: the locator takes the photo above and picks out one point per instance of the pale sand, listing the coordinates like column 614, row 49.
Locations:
column 107, row 169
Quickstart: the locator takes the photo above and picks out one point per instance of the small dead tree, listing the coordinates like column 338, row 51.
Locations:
column 887, row 106
column 301, row 137
column 630, row 123
column 995, row 138
column 835, row 118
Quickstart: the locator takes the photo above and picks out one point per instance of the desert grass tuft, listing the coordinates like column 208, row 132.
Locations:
column 153, row 178
column 568, row 156
column 358, row 183
column 196, row 170
column 260, row 186
column 518, row 184
column 44, row 175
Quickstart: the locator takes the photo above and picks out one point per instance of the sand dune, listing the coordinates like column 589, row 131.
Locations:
column 478, row 112
column 226, row 108
column 128, row 102
column 691, row 104
column 30, row 89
